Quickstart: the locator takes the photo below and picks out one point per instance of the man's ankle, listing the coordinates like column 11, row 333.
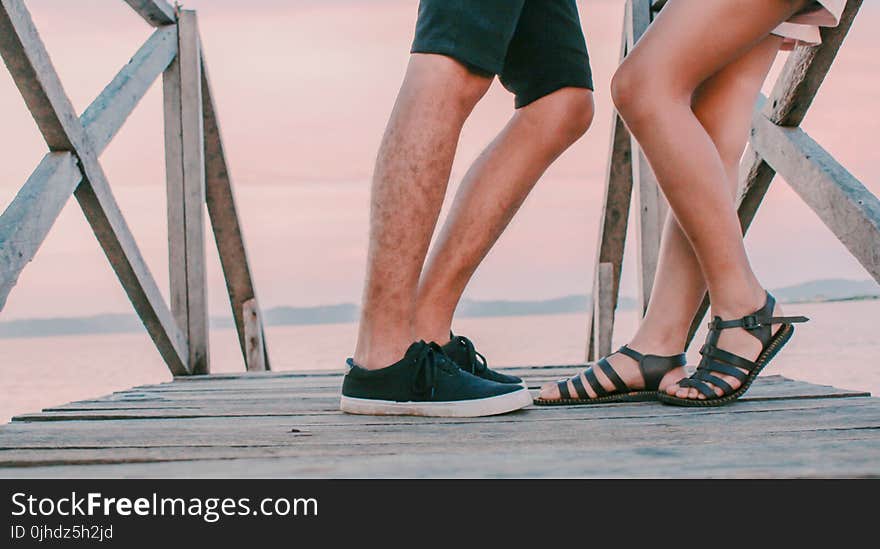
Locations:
column 380, row 354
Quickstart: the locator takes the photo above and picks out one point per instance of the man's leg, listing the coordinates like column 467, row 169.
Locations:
column 411, row 175
column 490, row 194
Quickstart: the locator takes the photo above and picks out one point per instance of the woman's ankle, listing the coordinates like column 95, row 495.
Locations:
column 730, row 305
column 665, row 341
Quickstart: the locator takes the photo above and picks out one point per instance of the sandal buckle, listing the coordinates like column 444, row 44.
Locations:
column 751, row 322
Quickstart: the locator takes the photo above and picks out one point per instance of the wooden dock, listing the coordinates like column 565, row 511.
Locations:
column 287, row 424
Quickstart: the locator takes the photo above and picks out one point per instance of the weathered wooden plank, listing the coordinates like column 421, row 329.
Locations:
column 762, row 433
column 32, row 213
column 36, row 78
column 831, row 455
column 774, row 386
column 253, row 331
column 175, row 431
column 639, row 17
column 295, row 404
column 105, row 116
column 651, row 210
column 154, row 12
column 849, row 209
column 805, row 71
column 612, row 228
column 745, row 418
column 175, row 211
column 185, row 171
column 603, row 308
column 224, row 220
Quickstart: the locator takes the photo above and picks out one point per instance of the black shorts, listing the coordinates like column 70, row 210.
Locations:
column 534, row 46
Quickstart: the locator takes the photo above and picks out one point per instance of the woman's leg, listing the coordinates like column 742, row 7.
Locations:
column 654, row 90
column 723, row 105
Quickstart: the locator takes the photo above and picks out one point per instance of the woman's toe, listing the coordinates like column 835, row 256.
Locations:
column 694, row 394
column 549, row 391
column 682, row 392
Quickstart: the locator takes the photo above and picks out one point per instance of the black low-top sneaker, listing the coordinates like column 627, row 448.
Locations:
column 461, row 350
column 427, row 383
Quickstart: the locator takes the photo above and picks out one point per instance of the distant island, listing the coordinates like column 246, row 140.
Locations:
column 813, row 291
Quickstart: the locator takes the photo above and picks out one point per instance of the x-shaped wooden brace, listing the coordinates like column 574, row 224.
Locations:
column 72, row 166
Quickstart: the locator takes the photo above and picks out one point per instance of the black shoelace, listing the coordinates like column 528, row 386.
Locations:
column 476, row 361
column 429, row 363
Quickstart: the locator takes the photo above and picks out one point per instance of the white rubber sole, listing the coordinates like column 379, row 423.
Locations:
column 491, row 406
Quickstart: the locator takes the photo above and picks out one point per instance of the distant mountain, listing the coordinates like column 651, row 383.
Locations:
column 100, row 324
column 817, row 290
column 828, row 290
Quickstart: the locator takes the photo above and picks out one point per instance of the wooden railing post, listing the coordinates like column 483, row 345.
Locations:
column 185, row 173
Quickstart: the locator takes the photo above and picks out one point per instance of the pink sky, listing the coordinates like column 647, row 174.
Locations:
column 304, row 88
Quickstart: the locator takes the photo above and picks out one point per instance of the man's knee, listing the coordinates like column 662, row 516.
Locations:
column 456, row 80
column 567, row 114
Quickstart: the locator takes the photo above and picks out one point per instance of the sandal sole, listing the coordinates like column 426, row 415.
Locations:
column 639, row 396
column 776, row 344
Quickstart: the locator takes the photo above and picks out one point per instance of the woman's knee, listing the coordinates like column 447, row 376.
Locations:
column 639, row 93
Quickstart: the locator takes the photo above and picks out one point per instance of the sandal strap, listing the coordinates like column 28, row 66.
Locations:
column 758, row 324
column 714, row 352
column 699, row 386
column 705, row 375
column 754, row 321
column 594, row 383
column 721, row 368
column 609, row 372
column 635, row 355
column 655, row 367
column 563, row 389
column 579, row 387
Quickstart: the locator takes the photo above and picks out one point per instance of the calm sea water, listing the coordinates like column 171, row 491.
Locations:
column 839, row 347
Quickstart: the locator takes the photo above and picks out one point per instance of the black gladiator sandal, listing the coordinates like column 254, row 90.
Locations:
column 652, row 367
column 758, row 324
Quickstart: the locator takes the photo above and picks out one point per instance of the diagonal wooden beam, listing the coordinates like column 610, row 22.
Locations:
column 227, row 230
column 791, row 98
column 31, row 214
column 33, row 73
column 154, row 12
column 849, row 209
column 106, row 114
column 35, row 76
